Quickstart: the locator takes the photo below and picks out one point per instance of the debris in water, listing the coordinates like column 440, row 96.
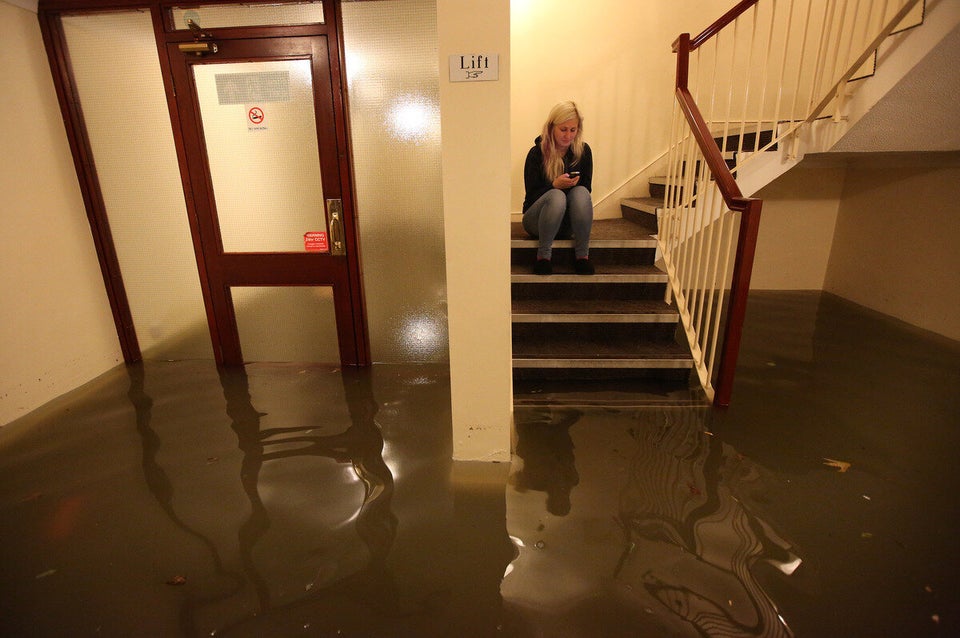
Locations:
column 212, row 459
column 49, row 572
column 176, row 581
column 843, row 466
column 540, row 545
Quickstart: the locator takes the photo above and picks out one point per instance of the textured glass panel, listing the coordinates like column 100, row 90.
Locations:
column 251, row 88
column 261, row 139
column 235, row 15
column 289, row 323
column 393, row 76
column 125, row 111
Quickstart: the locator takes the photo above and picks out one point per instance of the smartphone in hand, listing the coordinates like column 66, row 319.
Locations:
column 574, row 174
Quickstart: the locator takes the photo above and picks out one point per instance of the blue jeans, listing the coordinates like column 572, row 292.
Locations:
column 558, row 213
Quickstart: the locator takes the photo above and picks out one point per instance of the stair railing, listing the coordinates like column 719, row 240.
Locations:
column 752, row 80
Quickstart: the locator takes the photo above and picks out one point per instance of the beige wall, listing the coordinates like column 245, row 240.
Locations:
column 796, row 228
column 895, row 247
column 612, row 57
column 475, row 125
column 57, row 328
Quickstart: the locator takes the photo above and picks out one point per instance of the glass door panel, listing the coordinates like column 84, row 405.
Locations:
column 261, row 141
column 288, row 323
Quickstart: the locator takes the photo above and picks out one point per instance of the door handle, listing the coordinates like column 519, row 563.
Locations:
column 335, row 220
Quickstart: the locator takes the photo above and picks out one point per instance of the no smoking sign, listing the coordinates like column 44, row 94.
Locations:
column 255, row 115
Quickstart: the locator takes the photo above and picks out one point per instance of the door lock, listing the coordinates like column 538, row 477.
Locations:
column 335, row 220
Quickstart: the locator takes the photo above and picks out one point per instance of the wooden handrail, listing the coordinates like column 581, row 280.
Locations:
column 739, row 287
column 693, row 213
column 726, row 183
column 748, row 207
column 718, row 26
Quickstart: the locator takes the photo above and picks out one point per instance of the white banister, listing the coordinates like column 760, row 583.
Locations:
column 770, row 92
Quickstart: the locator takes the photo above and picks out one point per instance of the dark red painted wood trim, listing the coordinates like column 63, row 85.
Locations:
column 724, row 20
column 77, row 136
column 739, row 289
column 336, row 58
column 348, row 290
column 749, row 207
column 711, row 152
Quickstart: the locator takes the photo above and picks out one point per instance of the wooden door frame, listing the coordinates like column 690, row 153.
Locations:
column 49, row 15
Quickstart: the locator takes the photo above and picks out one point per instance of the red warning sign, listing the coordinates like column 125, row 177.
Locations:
column 316, row 242
column 255, row 115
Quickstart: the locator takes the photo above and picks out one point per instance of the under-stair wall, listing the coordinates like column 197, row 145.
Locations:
column 917, row 56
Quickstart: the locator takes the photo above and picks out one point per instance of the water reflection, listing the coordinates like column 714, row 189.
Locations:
column 545, row 457
column 281, row 548
column 686, row 489
column 226, row 582
column 670, row 527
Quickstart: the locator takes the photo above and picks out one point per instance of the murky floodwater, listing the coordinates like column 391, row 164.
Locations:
column 173, row 499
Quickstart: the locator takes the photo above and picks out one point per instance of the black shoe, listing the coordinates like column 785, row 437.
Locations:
column 543, row 267
column 583, row 266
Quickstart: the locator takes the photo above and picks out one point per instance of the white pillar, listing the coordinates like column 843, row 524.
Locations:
column 475, row 129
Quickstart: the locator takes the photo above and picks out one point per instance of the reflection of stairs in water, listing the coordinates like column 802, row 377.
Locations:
column 608, row 338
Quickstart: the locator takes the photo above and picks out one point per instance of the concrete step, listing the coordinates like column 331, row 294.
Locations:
column 574, row 329
column 566, row 310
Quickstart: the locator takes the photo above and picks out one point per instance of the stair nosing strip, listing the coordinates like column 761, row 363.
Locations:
column 595, row 317
column 594, row 243
column 586, row 279
column 634, row 363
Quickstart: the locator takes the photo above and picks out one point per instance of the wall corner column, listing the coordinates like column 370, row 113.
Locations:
column 475, row 129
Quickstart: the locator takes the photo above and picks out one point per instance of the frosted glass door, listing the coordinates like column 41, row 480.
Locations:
column 264, row 139
column 261, row 141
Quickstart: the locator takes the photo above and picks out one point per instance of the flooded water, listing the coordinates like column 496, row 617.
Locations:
column 175, row 499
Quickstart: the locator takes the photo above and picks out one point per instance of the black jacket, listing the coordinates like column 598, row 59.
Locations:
column 535, row 180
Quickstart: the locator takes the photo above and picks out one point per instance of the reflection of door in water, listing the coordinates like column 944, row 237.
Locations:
column 264, row 140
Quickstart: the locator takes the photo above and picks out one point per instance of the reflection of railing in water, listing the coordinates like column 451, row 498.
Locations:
column 361, row 445
column 687, row 489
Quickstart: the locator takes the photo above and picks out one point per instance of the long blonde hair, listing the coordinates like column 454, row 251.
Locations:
column 552, row 158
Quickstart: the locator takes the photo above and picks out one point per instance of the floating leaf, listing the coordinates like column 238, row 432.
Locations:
column 843, row 466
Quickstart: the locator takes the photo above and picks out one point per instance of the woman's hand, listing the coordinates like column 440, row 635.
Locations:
column 564, row 181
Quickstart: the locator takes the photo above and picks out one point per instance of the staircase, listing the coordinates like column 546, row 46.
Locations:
column 609, row 338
